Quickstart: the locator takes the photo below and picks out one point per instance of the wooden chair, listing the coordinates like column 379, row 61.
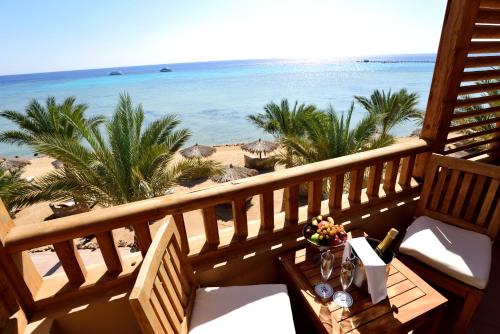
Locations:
column 465, row 195
column 163, row 297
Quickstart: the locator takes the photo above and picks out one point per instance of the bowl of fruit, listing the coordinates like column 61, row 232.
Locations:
column 324, row 233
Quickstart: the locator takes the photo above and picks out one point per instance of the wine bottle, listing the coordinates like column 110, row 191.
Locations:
column 383, row 249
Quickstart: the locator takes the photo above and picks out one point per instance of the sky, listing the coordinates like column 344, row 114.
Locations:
column 57, row 35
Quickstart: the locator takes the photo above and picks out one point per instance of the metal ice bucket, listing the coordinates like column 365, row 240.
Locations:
column 360, row 273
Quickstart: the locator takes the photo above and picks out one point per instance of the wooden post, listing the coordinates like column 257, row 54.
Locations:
column 291, row 199
column 406, row 171
column 267, row 210
column 374, row 179
column 181, row 227
column 336, row 192
column 211, row 228
column 71, row 261
column 391, row 175
column 240, row 218
column 314, row 196
column 356, row 185
column 143, row 236
column 453, row 48
column 109, row 252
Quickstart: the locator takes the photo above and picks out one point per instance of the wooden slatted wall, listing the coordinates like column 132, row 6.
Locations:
column 463, row 111
column 466, row 83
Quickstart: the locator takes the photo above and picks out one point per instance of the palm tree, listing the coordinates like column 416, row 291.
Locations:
column 52, row 119
column 10, row 182
column 282, row 120
column 332, row 136
column 390, row 109
column 129, row 162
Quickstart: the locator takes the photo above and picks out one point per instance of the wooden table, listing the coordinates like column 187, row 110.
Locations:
column 412, row 303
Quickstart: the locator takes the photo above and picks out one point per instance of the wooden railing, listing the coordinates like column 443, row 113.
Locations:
column 369, row 178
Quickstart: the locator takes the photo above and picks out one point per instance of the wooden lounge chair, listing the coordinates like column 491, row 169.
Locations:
column 450, row 242
column 166, row 297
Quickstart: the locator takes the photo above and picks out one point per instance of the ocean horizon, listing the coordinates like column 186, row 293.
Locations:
column 213, row 98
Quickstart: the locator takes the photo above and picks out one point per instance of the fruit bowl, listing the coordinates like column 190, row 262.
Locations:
column 324, row 233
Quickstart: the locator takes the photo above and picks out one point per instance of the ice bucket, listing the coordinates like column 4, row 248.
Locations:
column 360, row 273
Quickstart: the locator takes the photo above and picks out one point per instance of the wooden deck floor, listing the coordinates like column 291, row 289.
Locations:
column 487, row 318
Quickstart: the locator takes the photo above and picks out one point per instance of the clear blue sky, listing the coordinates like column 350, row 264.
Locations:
column 54, row 35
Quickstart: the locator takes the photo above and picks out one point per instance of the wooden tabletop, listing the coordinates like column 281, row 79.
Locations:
column 412, row 303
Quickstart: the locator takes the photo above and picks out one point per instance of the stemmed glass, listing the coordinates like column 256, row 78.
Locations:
column 325, row 290
column 343, row 298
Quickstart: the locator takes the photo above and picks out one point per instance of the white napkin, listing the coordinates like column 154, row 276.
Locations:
column 374, row 267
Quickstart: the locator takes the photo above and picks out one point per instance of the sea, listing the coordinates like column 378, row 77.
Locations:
column 213, row 99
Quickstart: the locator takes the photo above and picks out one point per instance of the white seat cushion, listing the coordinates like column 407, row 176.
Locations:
column 462, row 254
column 242, row 309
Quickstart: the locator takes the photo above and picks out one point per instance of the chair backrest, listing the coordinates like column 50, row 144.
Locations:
column 463, row 193
column 163, row 294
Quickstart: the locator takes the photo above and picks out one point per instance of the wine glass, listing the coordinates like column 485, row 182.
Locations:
column 343, row 298
column 323, row 289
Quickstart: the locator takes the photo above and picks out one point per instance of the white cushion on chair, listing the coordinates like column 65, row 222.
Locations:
column 255, row 309
column 462, row 254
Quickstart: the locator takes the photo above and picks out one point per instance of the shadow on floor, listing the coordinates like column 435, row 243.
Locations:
column 487, row 318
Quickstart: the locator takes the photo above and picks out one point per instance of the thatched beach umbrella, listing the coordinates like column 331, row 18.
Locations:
column 57, row 164
column 259, row 147
column 14, row 163
column 197, row 151
column 233, row 173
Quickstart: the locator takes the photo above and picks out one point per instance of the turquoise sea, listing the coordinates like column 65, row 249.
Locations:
column 213, row 98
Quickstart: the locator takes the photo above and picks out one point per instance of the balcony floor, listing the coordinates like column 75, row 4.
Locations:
column 487, row 318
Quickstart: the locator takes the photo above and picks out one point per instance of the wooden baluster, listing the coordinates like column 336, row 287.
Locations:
column 181, row 227
column 240, row 218
column 391, row 175
column 336, row 192
column 314, row 196
column 71, row 261
column 374, row 179
column 109, row 252
column 267, row 210
column 356, row 185
column 291, row 198
column 407, row 171
column 143, row 236
column 211, row 228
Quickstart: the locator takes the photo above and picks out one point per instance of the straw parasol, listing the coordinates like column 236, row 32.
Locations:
column 57, row 164
column 259, row 147
column 14, row 163
column 233, row 173
column 197, row 151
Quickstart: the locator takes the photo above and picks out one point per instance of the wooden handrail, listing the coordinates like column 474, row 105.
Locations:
column 29, row 236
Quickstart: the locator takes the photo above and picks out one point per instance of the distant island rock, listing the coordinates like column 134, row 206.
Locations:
column 116, row 73
column 166, row 69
